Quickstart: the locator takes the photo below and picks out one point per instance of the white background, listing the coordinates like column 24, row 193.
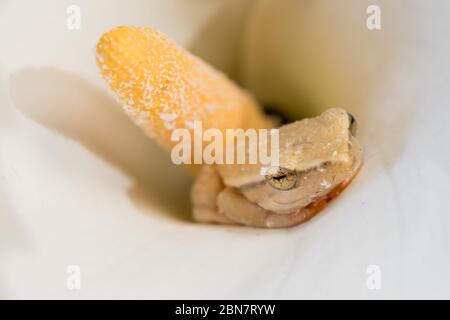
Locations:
column 80, row 185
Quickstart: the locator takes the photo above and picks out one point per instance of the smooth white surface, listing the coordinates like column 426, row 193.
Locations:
column 79, row 184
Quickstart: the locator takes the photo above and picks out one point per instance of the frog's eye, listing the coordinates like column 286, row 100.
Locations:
column 281, row 178
column 352, row 124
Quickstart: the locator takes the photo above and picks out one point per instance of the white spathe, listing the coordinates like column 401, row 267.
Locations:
column 81, row 186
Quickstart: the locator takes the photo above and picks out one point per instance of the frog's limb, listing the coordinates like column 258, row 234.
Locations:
column 304, row 214
column 237, row 208
column 204, row 194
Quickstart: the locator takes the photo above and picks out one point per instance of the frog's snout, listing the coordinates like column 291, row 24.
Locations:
column 353, row 125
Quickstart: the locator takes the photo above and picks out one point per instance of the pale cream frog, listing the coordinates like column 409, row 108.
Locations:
column 318, row 158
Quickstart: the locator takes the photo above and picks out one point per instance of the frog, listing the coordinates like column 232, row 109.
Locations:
column 318, row 159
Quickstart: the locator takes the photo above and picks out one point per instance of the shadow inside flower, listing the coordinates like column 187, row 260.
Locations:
column 73, row 107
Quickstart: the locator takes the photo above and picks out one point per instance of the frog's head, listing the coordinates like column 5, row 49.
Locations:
column 317, row 158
